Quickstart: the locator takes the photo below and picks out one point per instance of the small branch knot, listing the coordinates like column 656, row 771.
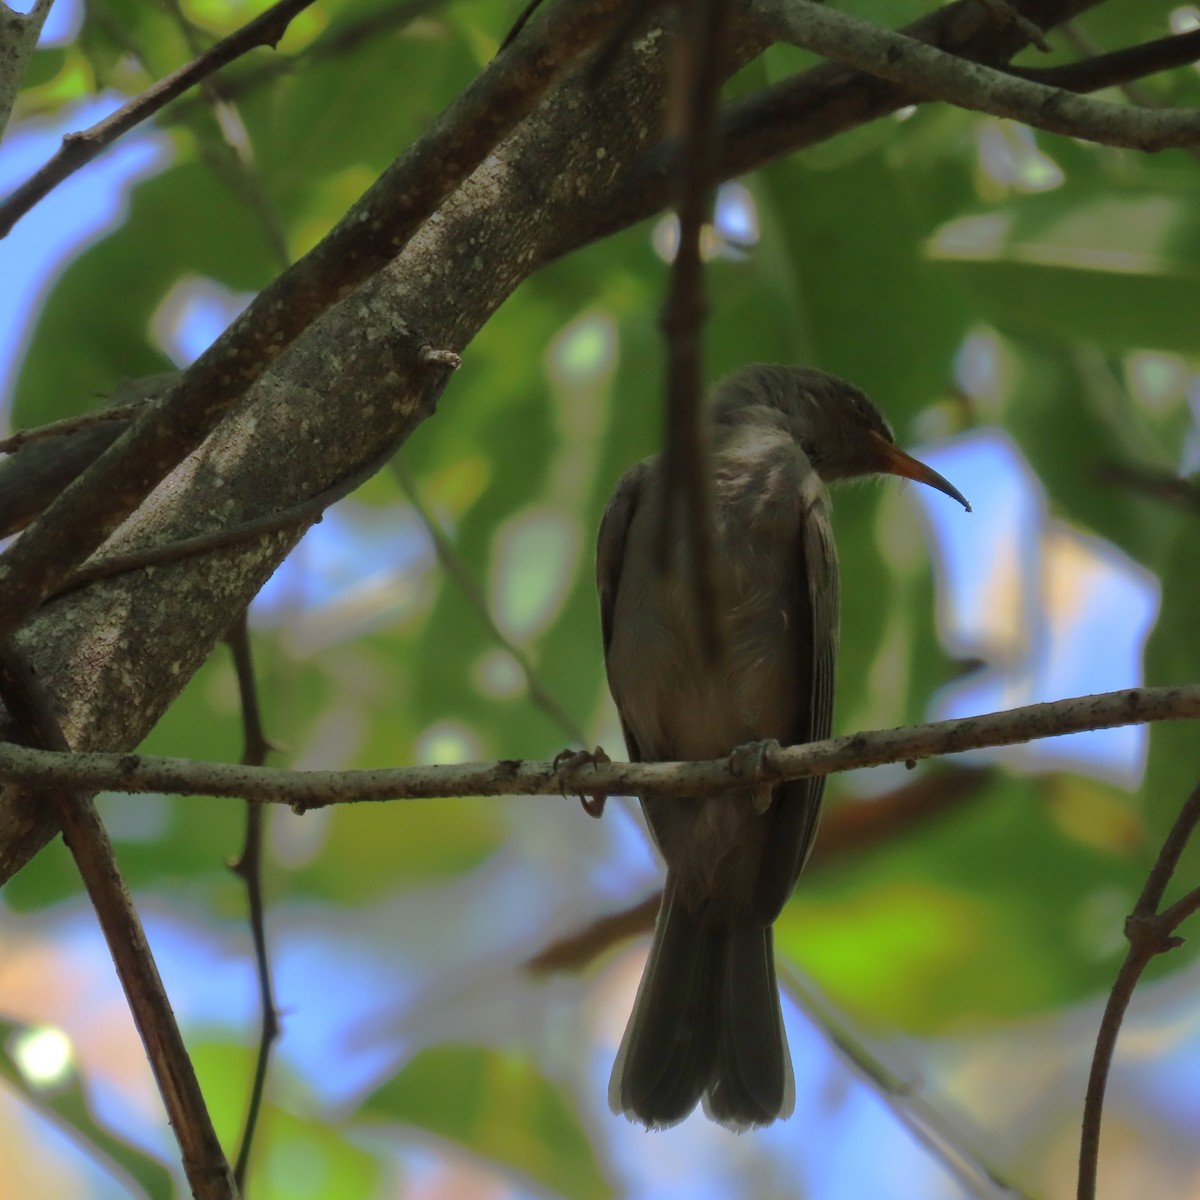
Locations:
column 1151, row 934
column 440, row 358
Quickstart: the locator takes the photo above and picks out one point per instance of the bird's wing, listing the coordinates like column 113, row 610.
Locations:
column 797, row 805
column 610, row 559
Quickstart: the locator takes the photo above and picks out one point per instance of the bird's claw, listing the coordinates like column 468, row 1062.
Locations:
column 749, row 759
column 567, row 762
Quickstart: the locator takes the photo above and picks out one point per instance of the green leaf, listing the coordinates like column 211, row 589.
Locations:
column 841, row 249
column 368, row 850
column 1117, row 267
column 499, row 1106
column 1010, row 905
column 295, row 1157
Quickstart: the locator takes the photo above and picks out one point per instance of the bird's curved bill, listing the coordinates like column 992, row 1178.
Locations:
column 895, row 462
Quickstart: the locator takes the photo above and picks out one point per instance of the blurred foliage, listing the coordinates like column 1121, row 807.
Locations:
column 61, row 1097
column 499, row 1104
column 879, row 256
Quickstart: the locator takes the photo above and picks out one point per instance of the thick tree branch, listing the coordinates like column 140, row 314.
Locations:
column 18, row 39
column 299, row 516
column 375, row 229
column 935, row 75
column 516, row 777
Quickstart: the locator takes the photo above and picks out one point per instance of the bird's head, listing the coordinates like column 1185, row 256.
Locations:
column 839, row 429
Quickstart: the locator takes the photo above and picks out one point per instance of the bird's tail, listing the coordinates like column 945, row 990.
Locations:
column 706, row 1023
column 753, row 1083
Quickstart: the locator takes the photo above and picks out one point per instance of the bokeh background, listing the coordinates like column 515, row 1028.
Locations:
column 1025, row 309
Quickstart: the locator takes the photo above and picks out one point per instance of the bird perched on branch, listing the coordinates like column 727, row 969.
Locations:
column 707, row 1024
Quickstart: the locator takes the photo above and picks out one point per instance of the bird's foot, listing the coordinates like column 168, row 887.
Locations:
column 749, row 760
column 568, row 762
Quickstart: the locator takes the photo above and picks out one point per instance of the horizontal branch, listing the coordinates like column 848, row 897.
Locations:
column 940, row 76
column 303, row 790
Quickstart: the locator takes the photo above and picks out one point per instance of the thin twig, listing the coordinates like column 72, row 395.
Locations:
column 80, row 148
column 104, row 416
column 575, row 950
column 454, row 566
column 306, row 511
column 522, row 20
column 688, row 505
column 1159, row 485
column 202, row 543
column 1151, row 56
column 1119, row 68
column 203, row 1160
column 248, row 868
column 517, row 777
column 1150, row 933
column 933, row 74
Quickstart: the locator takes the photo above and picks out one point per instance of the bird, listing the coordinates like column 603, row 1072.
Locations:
column 706, row 1024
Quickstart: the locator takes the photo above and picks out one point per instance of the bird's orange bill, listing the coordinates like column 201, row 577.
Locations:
column 895, row 462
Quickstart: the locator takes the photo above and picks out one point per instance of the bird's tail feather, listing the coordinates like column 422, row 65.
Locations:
column 669, row 1050
column 706, row 1022
column 753, row 1083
